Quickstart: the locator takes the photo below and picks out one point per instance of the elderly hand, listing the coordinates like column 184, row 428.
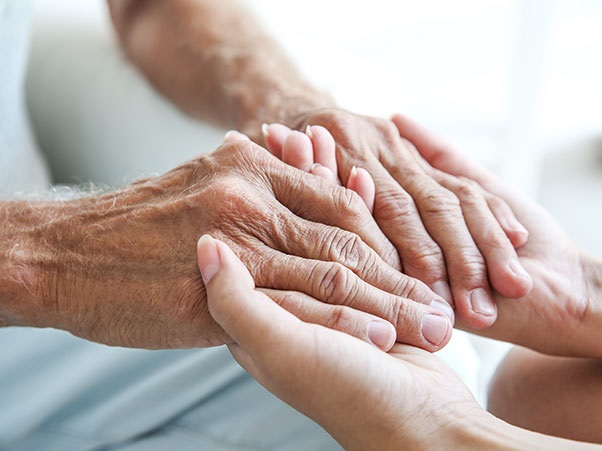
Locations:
column 120, row 268
column 562, row 314
column 447, row 231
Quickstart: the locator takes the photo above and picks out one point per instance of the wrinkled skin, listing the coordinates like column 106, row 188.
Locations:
column 110, row 266
column 450, row 233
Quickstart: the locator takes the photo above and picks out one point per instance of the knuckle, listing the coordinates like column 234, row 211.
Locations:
column 335, row 285
column 243, row 148
column 472, row 263
column 348, row 203
column 439, row 201
column 468, row 189
column 400, row 314
column 394, row 204
column 494, row 238
column 390, row 255
column 386, row 128
column 497, row 203
column 347, row 248
column 340, row 318
column 428, row 260
column 288, row 300
column 338, row 122
column 405, row 286
column 407, row 145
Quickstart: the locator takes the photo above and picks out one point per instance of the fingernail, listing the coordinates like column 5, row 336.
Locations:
column 264, row 130
column 209, row 261
column 240, row 135
column 518, row 269
column 381, row 333
column 322, row 171
column 442, row 289
column 481, row 302
column 352, row 177
column 308, row 131
column 444, row 308
column 434, row 328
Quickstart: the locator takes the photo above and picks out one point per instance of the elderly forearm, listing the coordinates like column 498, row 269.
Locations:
column 22, row 301
column 214, row 61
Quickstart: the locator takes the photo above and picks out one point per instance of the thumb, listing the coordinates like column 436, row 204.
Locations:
column 248, row 316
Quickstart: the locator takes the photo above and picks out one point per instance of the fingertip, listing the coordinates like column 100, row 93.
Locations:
column 510, row 279
column 322, row 171
column 523, row 280
column 483, row 310
column 234, row 135
column 362, row 183
column 297, row 151
column 274, row 136
column 443, row 307
column 518, row 237
column 208, row 258
column 324, row 146
column 382, row 334
column 436, row 330
column 443, row 289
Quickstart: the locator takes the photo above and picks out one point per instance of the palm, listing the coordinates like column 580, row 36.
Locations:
column 425, row 374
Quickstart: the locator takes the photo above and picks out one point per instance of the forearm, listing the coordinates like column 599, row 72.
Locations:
column 214, row 61
column 23, row 301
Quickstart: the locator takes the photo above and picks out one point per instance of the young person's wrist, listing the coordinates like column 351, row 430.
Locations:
column 484, row 431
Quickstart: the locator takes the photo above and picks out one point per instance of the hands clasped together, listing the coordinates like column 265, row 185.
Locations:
column 368, row 399
column 417, row 238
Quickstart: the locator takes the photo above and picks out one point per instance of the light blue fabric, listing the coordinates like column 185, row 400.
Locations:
column 62, row 393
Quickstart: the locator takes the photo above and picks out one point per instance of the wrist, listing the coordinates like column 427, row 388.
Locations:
column 461, row 427
column 473, row 431
column 485, row 431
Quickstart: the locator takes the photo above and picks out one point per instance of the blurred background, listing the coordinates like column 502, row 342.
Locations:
column 514, row 83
